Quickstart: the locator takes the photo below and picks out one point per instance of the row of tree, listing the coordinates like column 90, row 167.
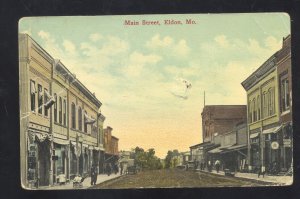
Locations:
column 170, row 160
column 146, row 159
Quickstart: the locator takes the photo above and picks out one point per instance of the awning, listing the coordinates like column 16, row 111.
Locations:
column 227, row 146
column 272, row 130
column 254, row 135
column 216, row 150
column 96, row 148
column 91, row 147
column 85, row 145
column 235, row 148
column 60, row 141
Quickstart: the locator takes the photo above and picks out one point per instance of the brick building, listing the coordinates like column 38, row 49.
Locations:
column 218, row 119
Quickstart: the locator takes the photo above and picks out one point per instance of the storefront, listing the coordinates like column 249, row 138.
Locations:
column 255, row 160
column 60, row 160
column 235, row 157
column 39, row 155
column 75, row 153
column 278, row 148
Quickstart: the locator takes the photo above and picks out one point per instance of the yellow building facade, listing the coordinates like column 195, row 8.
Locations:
column 60, row 122
column 263, row 115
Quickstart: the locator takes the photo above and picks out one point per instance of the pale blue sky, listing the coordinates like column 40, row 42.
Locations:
column 135, row 70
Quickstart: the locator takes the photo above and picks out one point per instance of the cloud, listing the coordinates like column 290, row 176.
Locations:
column 168, row 46
column 44, row 35
column 181, row 48
column 157, row 42
column 222, row 41
column 272, row 43
column 95, row 37
column 113, row 46
column 69, row 46
column 137, row 61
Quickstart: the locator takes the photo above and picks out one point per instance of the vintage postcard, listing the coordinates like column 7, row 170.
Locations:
column 155, row 101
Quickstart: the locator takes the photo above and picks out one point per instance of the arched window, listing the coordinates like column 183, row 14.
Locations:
column 254, row 110
column 73, row 116
column 60, row 111
column 80, row 119
column 55, row 108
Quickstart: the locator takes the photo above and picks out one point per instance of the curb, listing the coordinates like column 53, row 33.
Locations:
column 93, row 187
column 249, row 179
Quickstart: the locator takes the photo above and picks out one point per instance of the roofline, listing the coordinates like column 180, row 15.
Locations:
column 81, row 86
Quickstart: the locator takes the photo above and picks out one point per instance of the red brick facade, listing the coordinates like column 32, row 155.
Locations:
column 221, row 119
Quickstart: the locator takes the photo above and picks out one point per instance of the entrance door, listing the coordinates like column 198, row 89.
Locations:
column 44, row 162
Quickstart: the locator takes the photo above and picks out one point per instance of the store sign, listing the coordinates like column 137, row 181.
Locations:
column 287, row 143
column 274, row 145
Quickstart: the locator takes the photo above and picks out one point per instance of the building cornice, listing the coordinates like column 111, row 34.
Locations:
column 266, row 68
column 62, row 70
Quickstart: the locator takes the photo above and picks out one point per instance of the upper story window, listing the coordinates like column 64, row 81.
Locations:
column 55, row 108
column 85, row 124
column 258, row 107
column 40, row 99
column 250, row 111
column 45, row 100
column 254, row 110
column 271, row 100
column 32, row 95
column 73, row 116
column 265, row 105
column 285, row 95
column 65, row 113
column 60, row 110
column 80, row 119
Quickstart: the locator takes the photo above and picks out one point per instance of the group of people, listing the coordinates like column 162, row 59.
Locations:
column 111, row 168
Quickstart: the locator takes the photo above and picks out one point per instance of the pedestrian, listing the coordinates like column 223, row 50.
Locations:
column 108, row 169
column 92, row 174
column 95, row 174
column 209, row 166
column 121, row 167
column 217, row 165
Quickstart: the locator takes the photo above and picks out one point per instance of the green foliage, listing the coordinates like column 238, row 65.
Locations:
column 146, row 159
column 171, row 160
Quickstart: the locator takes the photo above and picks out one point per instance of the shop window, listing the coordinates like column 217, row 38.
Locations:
column 65, row 111
column 80, row 119
column 60, row 110
column 40, row 99
column 73, row 116
column 285, row 97
column 32, row 95
column 55, row 108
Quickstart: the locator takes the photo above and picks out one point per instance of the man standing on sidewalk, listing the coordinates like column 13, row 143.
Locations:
column 217, row 165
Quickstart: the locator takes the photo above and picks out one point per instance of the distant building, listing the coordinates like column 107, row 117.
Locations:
column 218, row 119
column 111, row 147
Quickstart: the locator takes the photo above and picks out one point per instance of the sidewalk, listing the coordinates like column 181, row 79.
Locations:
column 85, row 184
column 278, row 180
